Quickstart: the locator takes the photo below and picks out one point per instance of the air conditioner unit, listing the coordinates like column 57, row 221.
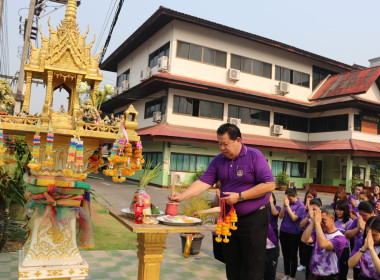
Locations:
column 277, row 129
column 234, row 121
column 162, row 64
column 283, row 88
column 292, row 184
column 234, row 74
column 368, row 183
column 145, row 74
column 176, row 178
column 125, row 85
column 157, row 116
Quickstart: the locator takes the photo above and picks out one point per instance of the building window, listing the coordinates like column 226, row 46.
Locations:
column 357, row 123
column 319, row 74
column 154, row 56
column 356, row 171
column 123, row 77
column 197, row 108
column 291, row 76
column 154, row 105
column 330, row 123
column 251, row 66
column 201, row 54
column 249, row 115
column 154, row 157
column 291, row 122
column 189, row 162
column 293, row 169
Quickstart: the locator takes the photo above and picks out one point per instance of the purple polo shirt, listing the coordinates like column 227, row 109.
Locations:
column 358, row 239
column 325, row 262
column 356, row 199
column 342, row 227
column 247, row 170
column 367, row 267
column 273, row 220
column 272, row 240
column 287, row 225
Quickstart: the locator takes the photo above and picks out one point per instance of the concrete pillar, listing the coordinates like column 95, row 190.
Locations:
column 349, row 173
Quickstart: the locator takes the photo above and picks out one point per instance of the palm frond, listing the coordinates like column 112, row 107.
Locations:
column 149, row 174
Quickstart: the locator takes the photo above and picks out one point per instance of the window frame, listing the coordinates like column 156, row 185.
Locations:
column 252, row 61
column 250, row 114
column 152, row 103
column 197, row 102
column 147, row 155
column 157, row 53
column 291, row 76
column 127, row 73
column 202, row 54
column 209, row 158
column 285, row 168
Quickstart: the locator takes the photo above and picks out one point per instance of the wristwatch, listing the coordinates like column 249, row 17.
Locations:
column 361, row 250
column 241, row 198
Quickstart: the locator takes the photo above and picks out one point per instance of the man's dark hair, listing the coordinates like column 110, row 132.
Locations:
column 367, row 207
column 232, row 130
column 316, row 201
column 361, row 185
column 291, row 192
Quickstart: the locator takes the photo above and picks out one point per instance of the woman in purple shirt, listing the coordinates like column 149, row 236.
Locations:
column 342, row 222
column 273, row 215
column 291, row 212
column 368, row 255
column 356, row 229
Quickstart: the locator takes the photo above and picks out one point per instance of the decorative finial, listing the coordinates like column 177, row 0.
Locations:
column 71, row 10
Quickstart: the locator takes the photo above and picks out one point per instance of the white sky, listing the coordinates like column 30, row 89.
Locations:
column 343, row 30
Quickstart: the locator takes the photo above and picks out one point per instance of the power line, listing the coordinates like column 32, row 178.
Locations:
column 105, row 23
column 111, row 30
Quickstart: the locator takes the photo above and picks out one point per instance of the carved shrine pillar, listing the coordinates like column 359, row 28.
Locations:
column 49, row 93
column 25, row 106
column 75, row 96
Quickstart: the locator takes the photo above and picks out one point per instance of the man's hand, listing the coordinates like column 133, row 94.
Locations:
column 361, row 224
column 353, row 202
column 286, row 201
column 175, row 197
column 369, row 240
column 378, row 207
column 353, row 214
column 231, row 198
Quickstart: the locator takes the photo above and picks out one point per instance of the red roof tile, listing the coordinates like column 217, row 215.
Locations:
column 353, row 82
column 184, row 132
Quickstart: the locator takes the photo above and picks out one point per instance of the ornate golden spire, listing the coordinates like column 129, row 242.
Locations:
column 71, row 10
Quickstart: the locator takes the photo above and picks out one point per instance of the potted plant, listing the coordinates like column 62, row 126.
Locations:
column 282, row 180
column 190, row 208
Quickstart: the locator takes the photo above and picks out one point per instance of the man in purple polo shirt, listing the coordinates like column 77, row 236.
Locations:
column 246, row 182
column 328, row 242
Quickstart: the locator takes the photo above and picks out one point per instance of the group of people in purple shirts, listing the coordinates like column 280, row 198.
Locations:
column 246, row 181
column 332, row 238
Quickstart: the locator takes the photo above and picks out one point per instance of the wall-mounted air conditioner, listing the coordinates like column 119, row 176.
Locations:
column 283, row 88
column 233, row 74
column 162, row 64
column 157, row 116
column 277, row 129
column 125, row 85
column 145, row 74
column 235, row 121
column 368, row 183
column 120, row 90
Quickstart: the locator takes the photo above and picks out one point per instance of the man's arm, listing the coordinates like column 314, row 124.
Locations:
column 254, row 192
column 321, row 238
column 306, row 235
column 194, row 189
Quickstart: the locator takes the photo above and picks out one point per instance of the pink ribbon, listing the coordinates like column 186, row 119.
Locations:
column 125, row 134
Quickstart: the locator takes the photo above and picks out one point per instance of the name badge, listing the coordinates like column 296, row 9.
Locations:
column 239, row 173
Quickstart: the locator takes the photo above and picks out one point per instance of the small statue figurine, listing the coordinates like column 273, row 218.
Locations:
column 62, row 110
column 106, row 120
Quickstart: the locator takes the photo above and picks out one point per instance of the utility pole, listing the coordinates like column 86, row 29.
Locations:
column 21, row 75
column 1, row 12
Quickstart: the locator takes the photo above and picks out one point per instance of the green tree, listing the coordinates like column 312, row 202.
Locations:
column 12, row 185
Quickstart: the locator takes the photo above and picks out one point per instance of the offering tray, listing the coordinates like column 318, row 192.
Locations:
column 131, row 215
column 179, row 220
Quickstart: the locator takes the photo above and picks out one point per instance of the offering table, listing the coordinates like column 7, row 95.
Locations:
column 151, row 240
